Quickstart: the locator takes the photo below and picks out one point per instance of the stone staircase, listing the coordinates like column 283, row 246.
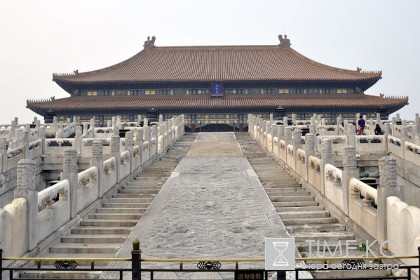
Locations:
column 304, row 218
column 101, row 233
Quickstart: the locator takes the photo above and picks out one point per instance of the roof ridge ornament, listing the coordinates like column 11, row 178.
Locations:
column 284, row 42
column 149, row 43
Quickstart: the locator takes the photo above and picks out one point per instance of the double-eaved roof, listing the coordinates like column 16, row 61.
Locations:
column 271, row 63
column 237, row 66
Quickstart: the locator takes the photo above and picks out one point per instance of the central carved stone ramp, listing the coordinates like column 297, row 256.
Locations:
column 101, row 233
column 212, row 207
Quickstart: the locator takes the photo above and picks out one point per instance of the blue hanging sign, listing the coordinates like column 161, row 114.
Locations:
column 217, row 89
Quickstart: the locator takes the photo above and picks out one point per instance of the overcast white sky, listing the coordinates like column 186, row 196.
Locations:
column 39, row 38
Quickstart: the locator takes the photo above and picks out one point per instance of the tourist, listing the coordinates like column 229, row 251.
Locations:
column 378, row 130
column 361, row 124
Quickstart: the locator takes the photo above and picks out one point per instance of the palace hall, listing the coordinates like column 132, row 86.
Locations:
column 217, row 85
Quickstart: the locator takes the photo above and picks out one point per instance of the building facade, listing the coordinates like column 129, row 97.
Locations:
column 217, row 85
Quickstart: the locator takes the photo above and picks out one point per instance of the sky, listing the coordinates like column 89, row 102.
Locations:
column 42, row 37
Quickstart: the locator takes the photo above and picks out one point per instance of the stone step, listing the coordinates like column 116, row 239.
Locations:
column 278, row 193
column 124, row 205
column 284, row 189
column 93, row 238
column 127, row 200
column 277, row 184
column 115, row 216
column 133, row 195
column 295, row 203
column 292, row 198
column 299, row 208
column 77, row 248
column 315, row 228
column 303, row 221
column 121, row 210
column 108, row 223
column 304, row 214
column 323, row 236
column 147, row 190
column 101, row 230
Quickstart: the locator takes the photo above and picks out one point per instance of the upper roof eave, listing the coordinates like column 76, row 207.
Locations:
column 216, row 63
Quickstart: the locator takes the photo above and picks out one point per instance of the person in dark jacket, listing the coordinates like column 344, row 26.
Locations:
column 378, row 130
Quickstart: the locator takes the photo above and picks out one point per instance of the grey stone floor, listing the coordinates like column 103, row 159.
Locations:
column 212, row 206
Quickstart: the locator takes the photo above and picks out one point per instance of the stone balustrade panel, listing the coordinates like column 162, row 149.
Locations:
column 412, row 153
column 57, row 146
column 325, row 130
column 136, row 157
column 333, row 185
column 125, row 164
column 361, row 210
column 370, row 144
column 88, row 190
column 314, row 173
column 35, row 149
column 109, row 174
column 395, row 147
column 13, row 157
column 338, row 143
column 54, row 208
column 87, row 146
column 300, row 163
column 103, row 132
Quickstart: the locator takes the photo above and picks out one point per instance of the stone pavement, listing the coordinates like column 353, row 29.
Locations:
column 212, row 206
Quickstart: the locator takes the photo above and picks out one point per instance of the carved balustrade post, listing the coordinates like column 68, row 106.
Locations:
column 339, row 123
column 118, row 122
column 417, row 131
column 160, row 135
column 350, row 170
column 98, row 161
column 78, row 141
column 3, row 152
column 287, row 140
column 297, row 143
column 326, row 158
column 70, row 172
column 312, row 131
column 268, row 137
column 154, row 133
column 139, row 120
column 25, row 143
column 138, row 141
column 387, row 187
column 129, row 146
column 26, row 188
column 116, row 152
column 309, row 151
column 351, row 135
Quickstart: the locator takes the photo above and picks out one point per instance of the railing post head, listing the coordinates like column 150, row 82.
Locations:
column 136, row 260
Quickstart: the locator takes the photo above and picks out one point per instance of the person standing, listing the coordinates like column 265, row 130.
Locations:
column 361, row 123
